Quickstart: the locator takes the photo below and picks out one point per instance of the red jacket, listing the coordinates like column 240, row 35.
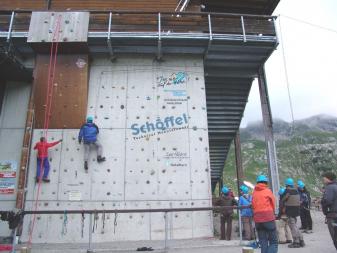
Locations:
column 263, row 204
column 42, row 148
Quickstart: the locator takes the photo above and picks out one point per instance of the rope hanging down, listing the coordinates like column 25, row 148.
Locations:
column 49, row 96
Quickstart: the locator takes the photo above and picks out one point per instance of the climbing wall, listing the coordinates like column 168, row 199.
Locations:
column 153, row 128
column 12, row 123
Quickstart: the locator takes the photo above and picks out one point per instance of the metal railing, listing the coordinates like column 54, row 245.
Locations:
column 161, row 25
column 92, row 212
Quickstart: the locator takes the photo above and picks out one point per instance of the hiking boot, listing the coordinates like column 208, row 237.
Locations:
column 302, row 244
column 294, row 245
column 86, row 166
column 100, row 159
column 46, row 180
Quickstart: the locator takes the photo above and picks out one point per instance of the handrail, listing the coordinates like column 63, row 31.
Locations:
column 158, row 210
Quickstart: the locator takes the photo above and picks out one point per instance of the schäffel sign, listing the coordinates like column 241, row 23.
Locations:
column 168, row 124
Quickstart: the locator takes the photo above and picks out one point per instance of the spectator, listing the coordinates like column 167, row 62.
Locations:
column 263, row 204
column 329, row 204
column 226, row 215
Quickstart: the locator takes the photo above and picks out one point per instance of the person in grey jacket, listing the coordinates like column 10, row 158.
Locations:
column 329, row 204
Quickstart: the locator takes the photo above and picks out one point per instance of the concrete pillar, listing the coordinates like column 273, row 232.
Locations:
column 268, row 131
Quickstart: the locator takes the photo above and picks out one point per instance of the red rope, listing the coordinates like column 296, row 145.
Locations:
column 49, row 96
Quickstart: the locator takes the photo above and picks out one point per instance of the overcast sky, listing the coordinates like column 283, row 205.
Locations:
column 311, row 58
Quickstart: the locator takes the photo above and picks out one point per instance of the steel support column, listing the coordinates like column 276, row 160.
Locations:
column 238, row 160
column 268, row 131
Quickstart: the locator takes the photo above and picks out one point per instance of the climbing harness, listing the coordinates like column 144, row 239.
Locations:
column 103, row 222
column 82, row 225
column 65, row 223
column 94, row 226
column 115, row 222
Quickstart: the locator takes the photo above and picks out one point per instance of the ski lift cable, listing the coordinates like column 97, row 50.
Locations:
column 309, row 23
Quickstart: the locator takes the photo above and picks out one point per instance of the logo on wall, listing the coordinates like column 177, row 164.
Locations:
column 7, row 177
column 174, row 79
column 168, row 124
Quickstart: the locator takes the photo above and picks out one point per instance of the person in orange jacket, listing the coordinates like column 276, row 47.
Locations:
column 42, row 159
column 263, row 204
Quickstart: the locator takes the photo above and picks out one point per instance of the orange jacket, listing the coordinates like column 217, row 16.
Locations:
column 42, row 148
column 263, row 204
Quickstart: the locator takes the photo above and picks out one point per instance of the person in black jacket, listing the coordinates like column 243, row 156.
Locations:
column 291, row 202
column 329, row 204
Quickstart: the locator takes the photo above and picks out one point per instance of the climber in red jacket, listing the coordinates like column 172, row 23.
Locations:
column 42, row 159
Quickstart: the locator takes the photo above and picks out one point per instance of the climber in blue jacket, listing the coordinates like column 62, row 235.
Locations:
column 88, row 133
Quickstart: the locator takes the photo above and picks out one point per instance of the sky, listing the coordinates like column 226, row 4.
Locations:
column 309, row 35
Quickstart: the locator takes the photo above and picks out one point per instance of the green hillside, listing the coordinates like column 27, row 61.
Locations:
column 304, row 151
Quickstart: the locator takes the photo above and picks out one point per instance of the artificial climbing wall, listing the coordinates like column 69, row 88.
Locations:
column 153, row 128
column 70, row 91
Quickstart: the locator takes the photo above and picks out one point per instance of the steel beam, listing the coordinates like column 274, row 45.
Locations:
column 268, row 131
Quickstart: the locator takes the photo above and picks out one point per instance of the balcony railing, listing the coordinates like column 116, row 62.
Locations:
column 165, row 25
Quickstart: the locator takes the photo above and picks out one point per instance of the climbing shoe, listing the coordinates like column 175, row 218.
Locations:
column 294, row 245
column 86, row 166
column 46, row 180
column 289, row 241
column 100, row 159
column 37, row 179
column 302, row 244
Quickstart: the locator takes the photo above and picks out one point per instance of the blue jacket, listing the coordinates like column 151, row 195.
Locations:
column 88, row 133
column 246, row 200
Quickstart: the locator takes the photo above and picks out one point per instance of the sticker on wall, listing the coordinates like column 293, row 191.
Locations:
column 75, row 196
column 175, row 79
column 80, row 63
column 7, row 177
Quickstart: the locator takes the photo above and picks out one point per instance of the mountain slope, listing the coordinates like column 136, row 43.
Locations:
column 304, row 151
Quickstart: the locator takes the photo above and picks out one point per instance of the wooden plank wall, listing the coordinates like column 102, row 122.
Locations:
column 70, row 91
column 139, row 5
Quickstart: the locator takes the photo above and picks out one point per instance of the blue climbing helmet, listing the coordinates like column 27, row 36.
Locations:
column 289, row 182
column 281, row 191
column 225, row 190
column 244, row 189
column 262, row 178
column 90, row 119
column 300, row 184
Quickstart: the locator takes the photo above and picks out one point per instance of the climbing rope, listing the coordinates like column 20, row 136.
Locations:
column 49, row 95
column 115, row 222
column 289, row 93
column 82, row 225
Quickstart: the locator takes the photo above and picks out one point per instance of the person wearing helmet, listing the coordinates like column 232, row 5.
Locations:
column 246, row 213
column 227, row 214
column 88, row 133
column 291, row 203
column 43, row 166
column 305, row 202
column 263, row 204
column 329, row 203
column 283, row 229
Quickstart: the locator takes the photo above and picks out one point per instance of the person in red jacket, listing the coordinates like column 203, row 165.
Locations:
column 263, row 204
column 42, row 158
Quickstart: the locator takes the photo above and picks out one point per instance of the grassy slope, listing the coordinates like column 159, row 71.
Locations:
column 297, row 158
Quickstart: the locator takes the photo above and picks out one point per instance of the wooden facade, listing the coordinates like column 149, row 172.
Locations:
column 70, row 91
column 260, row 7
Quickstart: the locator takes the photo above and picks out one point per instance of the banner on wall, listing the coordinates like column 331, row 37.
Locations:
column 7, row 177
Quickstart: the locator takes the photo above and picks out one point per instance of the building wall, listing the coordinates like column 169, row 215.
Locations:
column 159, row 168
column 149, row 5
column 12, row 124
